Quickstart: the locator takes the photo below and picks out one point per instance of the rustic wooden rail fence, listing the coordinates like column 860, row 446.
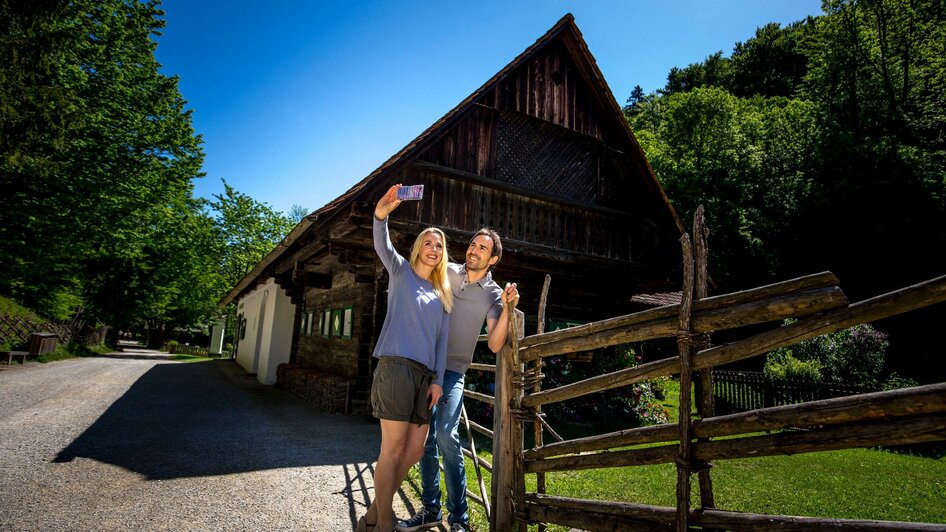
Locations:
column 905, row 416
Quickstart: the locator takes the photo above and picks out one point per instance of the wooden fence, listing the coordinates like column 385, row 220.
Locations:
column 741, row 391
column 17, row 330
column 183, row 349
column 896, row 417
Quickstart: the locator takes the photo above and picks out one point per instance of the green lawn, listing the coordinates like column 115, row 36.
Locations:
column 851, row 484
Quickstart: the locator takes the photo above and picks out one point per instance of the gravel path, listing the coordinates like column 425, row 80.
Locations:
column 139, row 444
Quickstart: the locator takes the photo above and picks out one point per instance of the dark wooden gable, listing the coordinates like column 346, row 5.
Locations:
column 539, row 155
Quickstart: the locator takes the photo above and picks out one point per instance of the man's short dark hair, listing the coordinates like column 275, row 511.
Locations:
column 497, row 243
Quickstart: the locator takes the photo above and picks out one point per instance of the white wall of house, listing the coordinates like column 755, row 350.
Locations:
column 269, row 315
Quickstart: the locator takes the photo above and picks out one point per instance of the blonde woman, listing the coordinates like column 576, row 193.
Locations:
column 412, row 353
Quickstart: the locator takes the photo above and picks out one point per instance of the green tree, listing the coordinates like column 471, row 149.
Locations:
column 297, row 213
column 174, row 282
column 772, row 63
column 749, row 162
column 247, row 229
column 712, row 72
column 96, row 144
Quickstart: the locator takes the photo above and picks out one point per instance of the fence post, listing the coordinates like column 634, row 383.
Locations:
column 508, row 482
column 706, row 407
column 684, row 344
column 537, row 367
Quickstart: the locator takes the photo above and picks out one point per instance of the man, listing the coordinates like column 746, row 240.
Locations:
column 475, row 297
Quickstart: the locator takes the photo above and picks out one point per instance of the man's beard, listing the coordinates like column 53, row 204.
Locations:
column 482, row 266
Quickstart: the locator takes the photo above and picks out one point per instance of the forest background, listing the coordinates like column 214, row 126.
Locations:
column 816, row 146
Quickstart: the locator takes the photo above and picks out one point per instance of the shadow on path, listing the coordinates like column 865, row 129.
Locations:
column 209, row 418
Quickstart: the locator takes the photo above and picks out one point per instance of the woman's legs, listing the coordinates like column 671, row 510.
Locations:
column 402, row 445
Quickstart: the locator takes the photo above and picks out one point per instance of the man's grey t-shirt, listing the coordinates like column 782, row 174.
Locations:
column 472, row 304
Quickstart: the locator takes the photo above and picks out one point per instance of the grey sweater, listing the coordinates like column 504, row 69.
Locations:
column 416, row 325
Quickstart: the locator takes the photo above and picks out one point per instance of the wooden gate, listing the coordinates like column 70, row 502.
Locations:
column 896, row 417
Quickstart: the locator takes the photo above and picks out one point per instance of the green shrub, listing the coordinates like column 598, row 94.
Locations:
column 72, row 350
column 782, row 365
column 895, row 382
column 855, row 355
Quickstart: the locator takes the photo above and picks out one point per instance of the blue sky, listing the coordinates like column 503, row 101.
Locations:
column 298, row 100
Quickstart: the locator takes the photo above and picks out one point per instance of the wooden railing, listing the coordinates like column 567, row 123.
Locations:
column 905, row 416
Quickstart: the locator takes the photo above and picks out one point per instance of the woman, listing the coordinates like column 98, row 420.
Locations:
column 412, row 353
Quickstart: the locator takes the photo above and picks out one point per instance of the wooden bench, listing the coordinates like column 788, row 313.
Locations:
column 11, row 354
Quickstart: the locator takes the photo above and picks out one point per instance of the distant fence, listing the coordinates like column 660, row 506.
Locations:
column 741, row 391
column 16, row 330
column 182, row 349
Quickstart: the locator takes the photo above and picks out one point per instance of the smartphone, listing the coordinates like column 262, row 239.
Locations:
column 410, row 192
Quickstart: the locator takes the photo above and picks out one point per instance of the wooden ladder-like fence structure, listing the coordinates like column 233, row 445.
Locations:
column 897, row 417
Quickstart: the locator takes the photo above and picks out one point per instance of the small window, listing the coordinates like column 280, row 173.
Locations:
column 303, row 323
column 326, row 321
column 347, row 322
column 309, row 322
column 337, row 315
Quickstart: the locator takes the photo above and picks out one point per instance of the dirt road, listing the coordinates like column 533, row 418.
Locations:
column 138, row 444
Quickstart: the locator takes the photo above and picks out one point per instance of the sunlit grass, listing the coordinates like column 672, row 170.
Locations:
column 72, row 350
column 846, row 484
column 190, row 358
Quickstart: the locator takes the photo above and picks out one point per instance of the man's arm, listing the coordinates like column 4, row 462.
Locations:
column 498, row 328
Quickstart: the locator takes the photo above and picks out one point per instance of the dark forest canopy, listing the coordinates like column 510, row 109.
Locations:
column 817, row 146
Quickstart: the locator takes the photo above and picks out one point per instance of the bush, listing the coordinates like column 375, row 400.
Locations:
column 72, row 350
column 782, row 365
column 895, row 382
column 855, row 355
column 632, row 405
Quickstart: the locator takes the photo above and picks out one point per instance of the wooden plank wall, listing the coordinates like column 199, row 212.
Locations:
column 549, row 86
column 467, row 206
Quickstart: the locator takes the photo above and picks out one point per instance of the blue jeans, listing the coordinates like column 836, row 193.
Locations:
column 443, row 439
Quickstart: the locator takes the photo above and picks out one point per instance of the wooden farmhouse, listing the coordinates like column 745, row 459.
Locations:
column 542, row 154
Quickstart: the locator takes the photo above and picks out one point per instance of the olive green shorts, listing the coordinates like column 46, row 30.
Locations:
column 399, row 390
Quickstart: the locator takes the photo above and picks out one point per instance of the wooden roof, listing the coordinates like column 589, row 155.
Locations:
column 564, row 31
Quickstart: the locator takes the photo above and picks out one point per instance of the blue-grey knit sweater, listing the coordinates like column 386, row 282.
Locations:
column 416, row 325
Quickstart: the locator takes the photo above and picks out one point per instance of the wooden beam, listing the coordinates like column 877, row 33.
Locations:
column 897, row 431
column 467, row 177
column 479, row 396
column 312, row 279
column 857, row 408
column 737, row 316
column 808, row 282
column 754, row 312
column 610, row 515
column 883, row 306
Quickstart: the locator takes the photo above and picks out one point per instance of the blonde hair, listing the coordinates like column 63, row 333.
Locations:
column 438, row 276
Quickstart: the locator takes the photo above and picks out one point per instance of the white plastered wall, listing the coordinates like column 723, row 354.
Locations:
column 269, row 315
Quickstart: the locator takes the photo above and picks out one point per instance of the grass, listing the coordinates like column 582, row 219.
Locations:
column 847, row 484
column 72, row 350
column 190, row 358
